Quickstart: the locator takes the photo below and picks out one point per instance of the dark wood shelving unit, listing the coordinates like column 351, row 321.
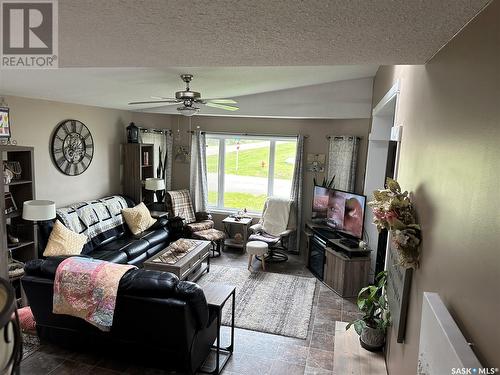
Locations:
column 22, row 189
column 135, row 170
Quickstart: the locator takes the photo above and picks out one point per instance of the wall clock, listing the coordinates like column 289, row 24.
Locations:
column 72, row 147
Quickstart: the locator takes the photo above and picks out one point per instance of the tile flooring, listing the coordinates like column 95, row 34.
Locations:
column 255, row 352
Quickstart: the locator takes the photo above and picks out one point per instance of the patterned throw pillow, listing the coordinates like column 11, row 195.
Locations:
column 138, row 218
column 63, row 241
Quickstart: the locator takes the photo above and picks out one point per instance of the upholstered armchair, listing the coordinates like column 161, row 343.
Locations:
column 178, row 203
column 278, row 241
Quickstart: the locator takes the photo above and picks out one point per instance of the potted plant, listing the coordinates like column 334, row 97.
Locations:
column 372, row 302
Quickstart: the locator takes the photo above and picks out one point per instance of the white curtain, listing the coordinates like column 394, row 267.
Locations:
column 198, row 177
column 162, row 154
column 342, row 161
column 296, row 195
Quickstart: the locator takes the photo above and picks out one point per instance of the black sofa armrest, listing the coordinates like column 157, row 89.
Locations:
column 161, row 222
column 47, row 267
column 193, row 294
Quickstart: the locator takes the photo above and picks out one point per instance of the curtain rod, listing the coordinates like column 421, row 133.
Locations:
column 342, row 136
column 251, row 134
column 154, row 130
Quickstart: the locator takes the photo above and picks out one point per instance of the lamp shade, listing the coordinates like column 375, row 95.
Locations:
column 155, row 184
column 39, row 210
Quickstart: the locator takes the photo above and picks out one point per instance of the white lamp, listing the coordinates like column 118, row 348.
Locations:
column 39, row 210
column 155, row 184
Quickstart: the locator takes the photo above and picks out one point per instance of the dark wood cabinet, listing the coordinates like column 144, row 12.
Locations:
column 345, row 275
column 138, row 164
column 343, row 269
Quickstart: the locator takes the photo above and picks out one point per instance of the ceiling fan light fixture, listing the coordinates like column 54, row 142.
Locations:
column 188, row 111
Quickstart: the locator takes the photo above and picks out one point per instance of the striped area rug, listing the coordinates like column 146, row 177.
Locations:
column 266, row 302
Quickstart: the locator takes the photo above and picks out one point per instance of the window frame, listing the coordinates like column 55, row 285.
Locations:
column 222, row 137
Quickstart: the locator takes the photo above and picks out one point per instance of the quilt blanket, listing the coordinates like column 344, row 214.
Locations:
column 87, row 288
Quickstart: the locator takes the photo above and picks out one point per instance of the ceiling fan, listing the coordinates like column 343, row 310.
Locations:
column 189, row 99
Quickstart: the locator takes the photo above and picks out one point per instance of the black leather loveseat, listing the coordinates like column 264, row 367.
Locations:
column 108, row 235
column 157, row 318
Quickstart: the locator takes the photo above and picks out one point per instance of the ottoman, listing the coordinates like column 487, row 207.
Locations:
column 216, row 237
column 257, row 249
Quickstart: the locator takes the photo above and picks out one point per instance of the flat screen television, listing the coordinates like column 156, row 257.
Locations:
column 341, row 210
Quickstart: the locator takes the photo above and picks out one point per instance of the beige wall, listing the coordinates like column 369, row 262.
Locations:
column 317, row 130
column 33, row 122
column 450, row 159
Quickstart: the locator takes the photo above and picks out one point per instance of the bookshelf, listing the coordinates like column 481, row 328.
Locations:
column 136, row 168
column 21, row 189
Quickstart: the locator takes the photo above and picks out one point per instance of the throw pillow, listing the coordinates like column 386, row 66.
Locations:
column 63, row 241
column 138, row 218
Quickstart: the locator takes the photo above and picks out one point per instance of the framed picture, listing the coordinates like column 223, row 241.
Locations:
column 4, row 122
column 316, row 162
column 10, row 204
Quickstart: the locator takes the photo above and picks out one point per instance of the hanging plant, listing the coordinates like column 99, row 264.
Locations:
column 394, row 211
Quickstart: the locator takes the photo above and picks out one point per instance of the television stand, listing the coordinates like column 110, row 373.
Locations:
column 350, row 243
column 343, row 269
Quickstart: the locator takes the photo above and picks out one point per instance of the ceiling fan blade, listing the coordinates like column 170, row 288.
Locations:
column 162, row 98
column 165, row 102
column 222, row 101
column 222, row 106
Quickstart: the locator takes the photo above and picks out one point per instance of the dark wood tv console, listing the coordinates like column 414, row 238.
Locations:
column 343, row 269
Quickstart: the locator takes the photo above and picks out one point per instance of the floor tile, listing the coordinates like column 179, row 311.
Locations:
column 322, row 341
column 69, row 367
column 41, row 363
column 324, row 326
column 328, row 314
column 286, row 368
column 320, row 359
column 245, row 364
column 316, row 371
column 293, row 354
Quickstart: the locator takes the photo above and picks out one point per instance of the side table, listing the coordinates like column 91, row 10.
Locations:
column 217, row 295
column 244, row 224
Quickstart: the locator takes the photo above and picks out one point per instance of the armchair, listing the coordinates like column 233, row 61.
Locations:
column 178, row 203
column 278, row 215
column 198, row 225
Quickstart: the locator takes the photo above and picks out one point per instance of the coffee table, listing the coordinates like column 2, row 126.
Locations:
column 189, row 266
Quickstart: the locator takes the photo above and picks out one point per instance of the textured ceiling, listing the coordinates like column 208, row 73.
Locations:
column 159, row 33
column 301, row 91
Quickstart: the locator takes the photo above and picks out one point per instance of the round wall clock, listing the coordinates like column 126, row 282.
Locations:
column 72, row 147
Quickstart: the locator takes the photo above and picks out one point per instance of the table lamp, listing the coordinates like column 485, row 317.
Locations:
column 39, row 211
column 156, row 185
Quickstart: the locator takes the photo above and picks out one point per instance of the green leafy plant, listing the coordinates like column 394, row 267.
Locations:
column 329, row 184
column 372, row 302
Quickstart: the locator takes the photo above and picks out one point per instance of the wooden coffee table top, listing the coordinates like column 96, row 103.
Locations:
column 200, row 246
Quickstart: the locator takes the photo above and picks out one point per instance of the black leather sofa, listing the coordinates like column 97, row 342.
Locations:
column 109, row 236
column 157, row 319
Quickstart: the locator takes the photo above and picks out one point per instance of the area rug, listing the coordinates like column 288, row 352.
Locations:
column 266, row 302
